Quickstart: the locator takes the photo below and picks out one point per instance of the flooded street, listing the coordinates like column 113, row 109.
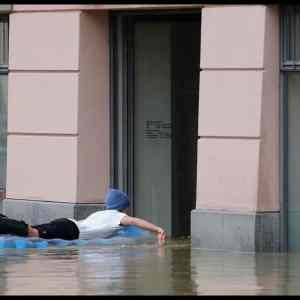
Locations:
column 146, row 269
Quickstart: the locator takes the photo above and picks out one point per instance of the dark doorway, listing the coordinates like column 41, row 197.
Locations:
column 155, row 95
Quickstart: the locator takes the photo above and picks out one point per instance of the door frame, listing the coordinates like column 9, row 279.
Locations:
column 122, row 91
column 4, row 18
column 283, row 162
column 287, row 66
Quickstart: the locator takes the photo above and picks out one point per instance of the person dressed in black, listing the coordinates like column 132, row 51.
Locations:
column 62, row 228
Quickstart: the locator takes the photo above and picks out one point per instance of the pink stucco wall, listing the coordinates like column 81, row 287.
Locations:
column 238, row 109
column 44, row 41
column 228, row 98
column 42, row 167
column 58, row 110
column 58, row 113
column 268, row 189
column 93, row 117
column 43, row 85
column 52, row 96
column 227, row 173
column 232, row 37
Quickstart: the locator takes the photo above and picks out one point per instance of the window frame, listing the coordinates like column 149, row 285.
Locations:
column 288, row 37
column 286, row 68
column 4, row 70
column 4, row 67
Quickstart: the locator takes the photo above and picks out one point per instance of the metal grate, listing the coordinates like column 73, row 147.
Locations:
column 290, row 37
column 3, row 41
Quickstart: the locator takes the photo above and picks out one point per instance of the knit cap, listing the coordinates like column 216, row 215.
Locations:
column 116, row 199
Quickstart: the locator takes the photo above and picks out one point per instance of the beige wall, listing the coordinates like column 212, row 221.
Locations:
column 228, row 98
column 227, row 173
column 42, row 167
column 232, row 37
column 58, row 107
column 44, row 41
column 238, row 109
column 268, row 189
column 93, row 125
column 54, row 98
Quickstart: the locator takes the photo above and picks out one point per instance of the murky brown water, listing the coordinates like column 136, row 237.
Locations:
column 146, row 269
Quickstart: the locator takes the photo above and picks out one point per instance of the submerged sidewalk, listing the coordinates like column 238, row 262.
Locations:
column 146, row 269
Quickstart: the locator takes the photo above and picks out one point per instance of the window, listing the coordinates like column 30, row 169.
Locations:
column 290, row 35
column 3, row 98
column 4, row 41
column 290, row 116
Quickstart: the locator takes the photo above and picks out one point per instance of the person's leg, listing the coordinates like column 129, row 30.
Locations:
column 13, row 227
column 58, row 229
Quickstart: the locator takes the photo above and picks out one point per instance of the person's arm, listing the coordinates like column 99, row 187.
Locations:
column 161, row 234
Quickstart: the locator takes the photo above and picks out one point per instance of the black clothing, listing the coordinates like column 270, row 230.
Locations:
column 57, row 229
column 11, row 226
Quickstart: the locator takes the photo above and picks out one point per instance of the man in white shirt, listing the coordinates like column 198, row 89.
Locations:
column 100, row 224
column 105, row 223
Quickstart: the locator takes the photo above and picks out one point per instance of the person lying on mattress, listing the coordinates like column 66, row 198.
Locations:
column 100, row 224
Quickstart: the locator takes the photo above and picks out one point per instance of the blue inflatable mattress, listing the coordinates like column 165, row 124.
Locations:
column 126, row 235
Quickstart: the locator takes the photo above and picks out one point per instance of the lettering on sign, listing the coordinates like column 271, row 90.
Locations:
column 157, row 129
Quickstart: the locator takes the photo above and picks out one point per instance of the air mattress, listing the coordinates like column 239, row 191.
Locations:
column 126, row 235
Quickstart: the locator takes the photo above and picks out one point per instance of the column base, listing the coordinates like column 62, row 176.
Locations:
column 37, row 212
column 235, row 231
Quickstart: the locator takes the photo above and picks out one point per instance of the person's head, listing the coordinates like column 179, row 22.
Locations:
column 116, row 199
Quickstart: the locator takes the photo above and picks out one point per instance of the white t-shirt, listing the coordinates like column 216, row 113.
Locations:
column 101, row 224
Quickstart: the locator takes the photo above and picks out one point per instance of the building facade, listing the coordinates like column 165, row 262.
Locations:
column 191, row 109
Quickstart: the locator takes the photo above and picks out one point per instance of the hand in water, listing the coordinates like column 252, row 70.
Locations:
column 161, row 251
column 161, row 236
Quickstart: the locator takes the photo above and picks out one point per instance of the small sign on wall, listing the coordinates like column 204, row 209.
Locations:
column 157, row 129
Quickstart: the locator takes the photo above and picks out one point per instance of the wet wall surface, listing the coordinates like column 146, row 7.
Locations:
column 146, row 269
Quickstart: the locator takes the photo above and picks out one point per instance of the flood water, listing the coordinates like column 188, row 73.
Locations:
column 147, row 269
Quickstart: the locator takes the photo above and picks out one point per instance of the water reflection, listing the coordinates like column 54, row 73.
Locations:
column 239, row 273
column 31, row 271
column 136, row 270
column 146, row 269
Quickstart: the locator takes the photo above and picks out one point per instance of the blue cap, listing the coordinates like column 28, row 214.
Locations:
column 116, row 199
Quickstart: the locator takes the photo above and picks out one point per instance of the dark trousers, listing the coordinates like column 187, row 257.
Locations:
column 58, row 229
column 62, row 228
column 11, row 226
